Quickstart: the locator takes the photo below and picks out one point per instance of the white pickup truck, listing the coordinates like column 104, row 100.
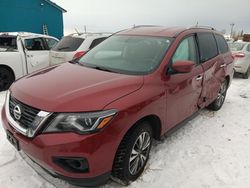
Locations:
column 22, row 53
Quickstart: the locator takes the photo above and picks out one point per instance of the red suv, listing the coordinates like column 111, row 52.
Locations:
column 95, row 118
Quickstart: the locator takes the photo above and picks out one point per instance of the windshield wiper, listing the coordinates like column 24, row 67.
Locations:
column 74, row 61
column 98, row 68
column 102, row 68
column 63, row 48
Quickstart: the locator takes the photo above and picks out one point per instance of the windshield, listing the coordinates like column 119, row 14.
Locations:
column 68, row 44
column 8, row 43
column 127, row 54
column 236, row 46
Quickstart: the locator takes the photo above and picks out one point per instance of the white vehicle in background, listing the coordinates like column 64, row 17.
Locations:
column 74, row 46
column 241, row 53
column 22, row 53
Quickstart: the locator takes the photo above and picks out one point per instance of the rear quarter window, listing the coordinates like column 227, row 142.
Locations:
column 68, row 44
column 222, row 44
column 207, row 46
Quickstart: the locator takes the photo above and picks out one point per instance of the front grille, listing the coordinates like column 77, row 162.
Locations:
column 28, row 113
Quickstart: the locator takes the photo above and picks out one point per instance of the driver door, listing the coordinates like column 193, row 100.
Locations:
column 184, row 89
column 37, row 54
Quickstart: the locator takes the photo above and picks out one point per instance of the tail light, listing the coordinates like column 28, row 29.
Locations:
column 239, row 55
column 79, row 54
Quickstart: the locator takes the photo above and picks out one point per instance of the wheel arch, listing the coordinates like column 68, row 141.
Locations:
column 155, row 123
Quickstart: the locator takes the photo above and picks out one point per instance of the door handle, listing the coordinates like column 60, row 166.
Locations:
column 199, row 78
column 223, row 65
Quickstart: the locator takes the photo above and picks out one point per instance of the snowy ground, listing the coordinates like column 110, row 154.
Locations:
column 212, row 150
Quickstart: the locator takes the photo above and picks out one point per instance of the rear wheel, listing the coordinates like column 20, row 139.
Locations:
column 133, row 153
column 6, row 78
column 246, row 75
column 219, row 101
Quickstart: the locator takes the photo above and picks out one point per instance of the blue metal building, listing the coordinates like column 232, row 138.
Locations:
column 37, row 16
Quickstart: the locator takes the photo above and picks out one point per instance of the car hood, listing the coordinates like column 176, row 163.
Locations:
column 73, row 88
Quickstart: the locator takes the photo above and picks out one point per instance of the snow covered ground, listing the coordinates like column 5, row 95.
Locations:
column 212, row 150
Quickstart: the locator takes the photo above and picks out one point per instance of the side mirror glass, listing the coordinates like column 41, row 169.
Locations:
column 183, row 66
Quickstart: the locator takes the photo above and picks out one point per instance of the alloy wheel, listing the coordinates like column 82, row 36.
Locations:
column 139, row 154
column 222, row 94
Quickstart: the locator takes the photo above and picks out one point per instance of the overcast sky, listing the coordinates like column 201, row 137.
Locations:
column 113, row 15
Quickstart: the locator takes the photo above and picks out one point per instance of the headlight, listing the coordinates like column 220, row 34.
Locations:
column 80, row 122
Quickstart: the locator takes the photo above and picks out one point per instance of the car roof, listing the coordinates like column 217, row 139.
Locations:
column 87, row 35
column 24, row 34
column 161, row 30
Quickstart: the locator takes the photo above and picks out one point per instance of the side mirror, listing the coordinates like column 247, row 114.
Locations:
column 183, row 66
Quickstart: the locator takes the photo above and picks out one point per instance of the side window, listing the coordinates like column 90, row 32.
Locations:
column 7, row 43
column 222, row 44
column 186, row 51
column 51, row 42
column 35, row 44
column 96, row 42
column 207, row 45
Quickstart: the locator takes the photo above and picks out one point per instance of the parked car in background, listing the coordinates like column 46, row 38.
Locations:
column 241, row 53
column 22, row 53
column 96, row 117
column 74, row 46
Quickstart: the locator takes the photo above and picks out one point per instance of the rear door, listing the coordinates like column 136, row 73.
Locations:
column 37, row 54
column 213, row 65
column 184, row 89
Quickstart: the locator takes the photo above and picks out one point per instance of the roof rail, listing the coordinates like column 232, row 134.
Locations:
column 196, row 27
column 201, row 27
column 138, row 26
column 89, row 33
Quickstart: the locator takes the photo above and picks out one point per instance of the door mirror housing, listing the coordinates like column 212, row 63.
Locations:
column 183, row 66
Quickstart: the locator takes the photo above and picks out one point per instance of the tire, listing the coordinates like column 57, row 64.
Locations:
column 246, row 75
column 128, row 165
column 6, row 78
column 219, row 101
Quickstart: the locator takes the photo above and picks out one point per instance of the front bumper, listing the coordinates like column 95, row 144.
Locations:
column 53, row 177
column 99, row 150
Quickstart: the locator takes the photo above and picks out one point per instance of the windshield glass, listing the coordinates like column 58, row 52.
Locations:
column 236, row 46
column 127, row 54
column 8, row 43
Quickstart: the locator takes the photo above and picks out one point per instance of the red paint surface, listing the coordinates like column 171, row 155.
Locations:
column 72, row 88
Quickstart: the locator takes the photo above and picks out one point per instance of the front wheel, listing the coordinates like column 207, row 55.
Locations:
column 133, row 153
column 219, row 101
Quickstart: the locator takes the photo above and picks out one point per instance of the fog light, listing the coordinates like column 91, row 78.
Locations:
column 72, row 164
